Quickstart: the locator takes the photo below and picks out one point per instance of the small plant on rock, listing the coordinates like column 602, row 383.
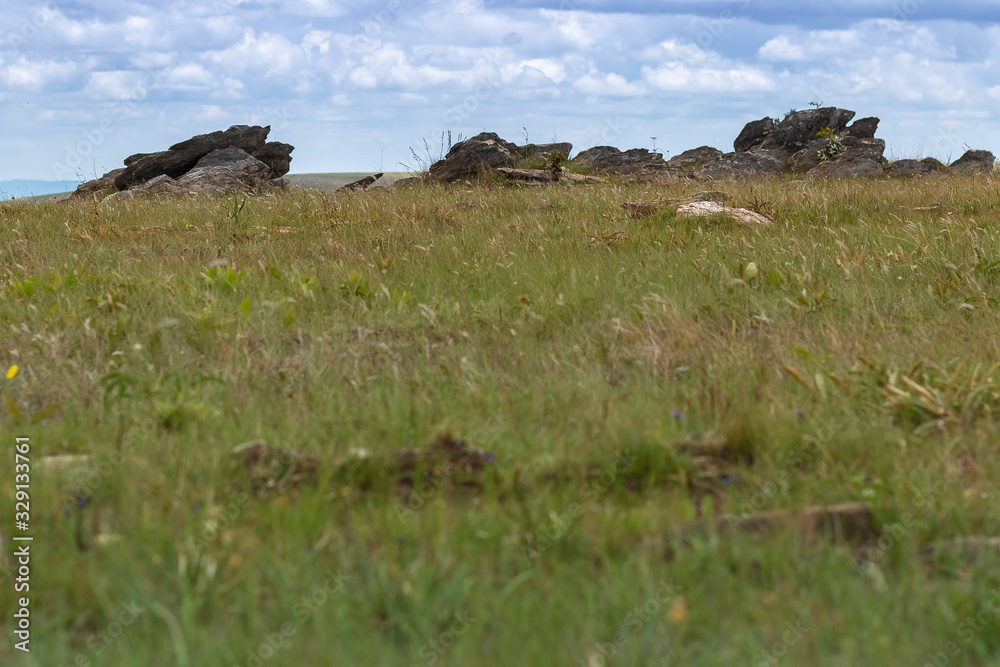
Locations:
column 834, row 146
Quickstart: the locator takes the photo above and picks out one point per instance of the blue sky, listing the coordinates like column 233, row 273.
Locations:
column 353, row 85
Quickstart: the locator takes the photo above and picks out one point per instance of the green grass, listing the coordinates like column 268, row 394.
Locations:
column 549, row 329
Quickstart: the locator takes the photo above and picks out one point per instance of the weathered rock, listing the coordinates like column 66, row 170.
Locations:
column 229, row 168
column 863, row 128
column 543, row 151
column 692, row 161
column 545, row 176
column 753, row 134
column 751, row 164
column 808, row 157
column 863, row 157
column 277, row 156
column 610, row 160
column 927, row 166
column 713, row 208
column 182, row 157
column 476, row 156
column 530, row 175
column 974, row 160
column 800, row 128
column 361, row 183
column 158, row 185
column 640, row 209
column 93, row 188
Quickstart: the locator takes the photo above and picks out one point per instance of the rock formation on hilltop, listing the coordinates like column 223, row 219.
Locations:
column 235, row 159
column 487, row 152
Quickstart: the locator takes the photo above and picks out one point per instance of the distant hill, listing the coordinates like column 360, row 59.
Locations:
column 22, row 188
column 27, row 188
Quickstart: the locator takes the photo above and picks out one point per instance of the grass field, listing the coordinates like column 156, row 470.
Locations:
column 577, row 352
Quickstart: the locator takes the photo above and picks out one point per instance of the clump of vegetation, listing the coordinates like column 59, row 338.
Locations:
column 834, row 146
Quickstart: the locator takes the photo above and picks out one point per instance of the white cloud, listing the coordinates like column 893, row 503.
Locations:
column 781, row 49
column 267, row 55
column 554, row 71
column 38, row 75
column 683, row 78
column 212, row 112
column 608, row 84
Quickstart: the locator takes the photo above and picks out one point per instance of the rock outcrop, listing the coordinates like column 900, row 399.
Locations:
column 817, row 141
column 473, row 157
column 693, row 161
column 610, row 160
column 973, row 161
column 862, row 157
column 182, row 157
column 927, row 166
column 235, row 159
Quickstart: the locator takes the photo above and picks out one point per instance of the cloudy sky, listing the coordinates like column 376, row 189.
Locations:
column 354, row 85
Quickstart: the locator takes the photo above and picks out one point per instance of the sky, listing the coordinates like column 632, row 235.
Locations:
column 361, row 85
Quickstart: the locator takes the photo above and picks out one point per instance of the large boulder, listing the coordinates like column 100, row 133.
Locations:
column 808, row 157
column 691, row 162
column 753, row 134
column 800, row 128
column 277, row 156
column 228, row 168
column 927, row 166
column 765, row 148
column 476, row 156
column 751, row 164
column 974, row 160
column 182, row 157
column 863, row 128
column 863, row 157
column 610, row 160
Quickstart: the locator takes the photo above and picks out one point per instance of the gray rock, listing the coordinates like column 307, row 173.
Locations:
column 158, row 185
column 229, row 168
column 927, row 166
column 863, row 128
column 974, row 160
column 751, row 164
column 277, row 156
column 476, row 156
column 610, row 160
column 800, row 128
column 361, row 183
column 690, row 162
column 863, row 157
column 182, row 157
column 753, row 134
column 808, row 157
